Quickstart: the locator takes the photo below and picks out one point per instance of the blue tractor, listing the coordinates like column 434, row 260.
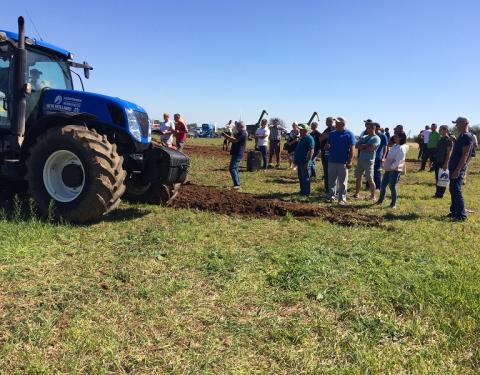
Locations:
column 208, row 131
column 78, row 152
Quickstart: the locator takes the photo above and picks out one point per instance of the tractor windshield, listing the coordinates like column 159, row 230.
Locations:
column 45, row 71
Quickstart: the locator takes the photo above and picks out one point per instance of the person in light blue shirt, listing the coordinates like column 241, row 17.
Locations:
column 340, row 147
column 367, row 145
column 303, row 158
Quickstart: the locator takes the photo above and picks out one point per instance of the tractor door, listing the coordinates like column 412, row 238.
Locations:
column 5, row 58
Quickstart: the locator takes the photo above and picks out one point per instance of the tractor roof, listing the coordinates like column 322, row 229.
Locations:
column 40, row 43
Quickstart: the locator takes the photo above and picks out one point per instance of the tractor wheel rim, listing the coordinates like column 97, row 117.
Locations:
column 53, row 176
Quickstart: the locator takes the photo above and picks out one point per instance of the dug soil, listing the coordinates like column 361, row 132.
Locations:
column 230, row 202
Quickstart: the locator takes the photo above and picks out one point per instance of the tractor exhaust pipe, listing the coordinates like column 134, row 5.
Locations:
column 20, row 87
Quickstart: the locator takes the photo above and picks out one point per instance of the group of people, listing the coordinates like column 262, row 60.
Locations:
column 377, row 151
column 170, row 130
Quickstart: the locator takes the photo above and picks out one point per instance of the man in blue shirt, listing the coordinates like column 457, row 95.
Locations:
column 457, row 166
column 340, row 146
column 303, row 158
column 367, row 146
column 239, row 142
column 380, row 155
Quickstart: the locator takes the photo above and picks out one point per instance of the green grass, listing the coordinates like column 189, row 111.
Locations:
column 157, row 290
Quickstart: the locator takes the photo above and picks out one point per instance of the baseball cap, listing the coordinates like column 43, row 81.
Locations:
column 304, row 127
column 462, row 120
column 367, row 120
column 341, row 119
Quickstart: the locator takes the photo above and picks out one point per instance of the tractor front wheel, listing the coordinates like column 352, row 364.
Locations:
column 76, row 174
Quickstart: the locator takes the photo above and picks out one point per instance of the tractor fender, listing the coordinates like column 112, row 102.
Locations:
column 52, row 121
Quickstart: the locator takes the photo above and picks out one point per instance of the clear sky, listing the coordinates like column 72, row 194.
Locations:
column 412, row 61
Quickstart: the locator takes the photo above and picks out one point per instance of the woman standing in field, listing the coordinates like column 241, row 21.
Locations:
column 393, row 166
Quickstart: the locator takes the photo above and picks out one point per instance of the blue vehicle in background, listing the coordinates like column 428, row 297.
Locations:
column 208, row 131
column 78, row 152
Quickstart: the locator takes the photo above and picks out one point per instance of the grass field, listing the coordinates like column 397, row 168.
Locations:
column 155, row 290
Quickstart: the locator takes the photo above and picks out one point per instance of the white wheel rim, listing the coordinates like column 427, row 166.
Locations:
column 53, row 179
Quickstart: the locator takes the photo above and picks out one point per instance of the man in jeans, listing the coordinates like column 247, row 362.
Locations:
column 457, row 166
column 379, row 156
column 261, row 137
column 274, row 142
column 303, row 158
column 316, row 150
column 367, row 146
column 432, row 144
column 239, row 142
column 329, row 122
column 340, row 145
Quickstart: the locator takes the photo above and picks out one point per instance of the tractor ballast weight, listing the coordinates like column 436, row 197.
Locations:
column 79, row 152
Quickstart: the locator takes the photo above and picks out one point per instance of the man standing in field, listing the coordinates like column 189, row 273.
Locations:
column 239, row 143
column 180, row 131
column 316, row 150
column 166, row 129
column 367, row 146
column 432, row 144
column 303, row 158
column 274, row 142
column 425, row 136
column 457, row 166
column 329, row 122
column 379, row 156
column 340, row 146
column 261, row 137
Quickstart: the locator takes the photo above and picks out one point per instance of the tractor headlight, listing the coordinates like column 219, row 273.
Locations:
column 133, row 124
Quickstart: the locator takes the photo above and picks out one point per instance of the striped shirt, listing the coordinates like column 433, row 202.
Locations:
column 275, row 134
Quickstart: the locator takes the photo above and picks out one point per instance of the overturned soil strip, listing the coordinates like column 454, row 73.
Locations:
column 231, row 202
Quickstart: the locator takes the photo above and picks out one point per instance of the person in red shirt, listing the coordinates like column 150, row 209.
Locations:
column 180, row 131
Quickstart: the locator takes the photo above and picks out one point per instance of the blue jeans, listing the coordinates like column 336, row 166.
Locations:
column 304, row 178
column 377, row 173
column 457, row 207
column 312, row 168
column 234, row 169
column 263, row 150
column 390, row 178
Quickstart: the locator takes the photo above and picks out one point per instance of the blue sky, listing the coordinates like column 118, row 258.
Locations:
column 409, row 62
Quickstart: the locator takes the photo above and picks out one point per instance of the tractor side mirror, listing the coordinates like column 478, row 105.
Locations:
column 86, row 70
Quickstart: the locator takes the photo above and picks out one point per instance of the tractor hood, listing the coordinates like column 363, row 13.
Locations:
column 110, row 111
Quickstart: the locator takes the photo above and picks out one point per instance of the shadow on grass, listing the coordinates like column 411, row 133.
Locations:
column 404, row 217
column 283, row 180
column 127, row 213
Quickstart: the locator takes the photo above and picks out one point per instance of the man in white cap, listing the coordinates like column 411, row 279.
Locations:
column 457, row 166
column 340, row 146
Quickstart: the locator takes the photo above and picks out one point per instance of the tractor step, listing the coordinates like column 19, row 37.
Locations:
column 12, row 169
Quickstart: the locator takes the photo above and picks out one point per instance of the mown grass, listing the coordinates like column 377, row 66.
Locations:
column 157, row 290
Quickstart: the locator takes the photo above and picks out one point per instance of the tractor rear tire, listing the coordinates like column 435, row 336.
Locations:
column 75, row 174
column 151, row 193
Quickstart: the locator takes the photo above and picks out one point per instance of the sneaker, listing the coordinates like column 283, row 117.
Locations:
column 277, row 166
column 379, row 203
column 331, row 199
column 392, row 206
column 461, row 218
column 236, row 187
column 342, row 203
column 355, row 196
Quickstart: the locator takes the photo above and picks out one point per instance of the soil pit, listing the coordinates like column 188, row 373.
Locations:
column 230, row 202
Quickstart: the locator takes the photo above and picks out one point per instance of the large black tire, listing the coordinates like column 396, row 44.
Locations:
column 151, row 193
column 103, row 175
